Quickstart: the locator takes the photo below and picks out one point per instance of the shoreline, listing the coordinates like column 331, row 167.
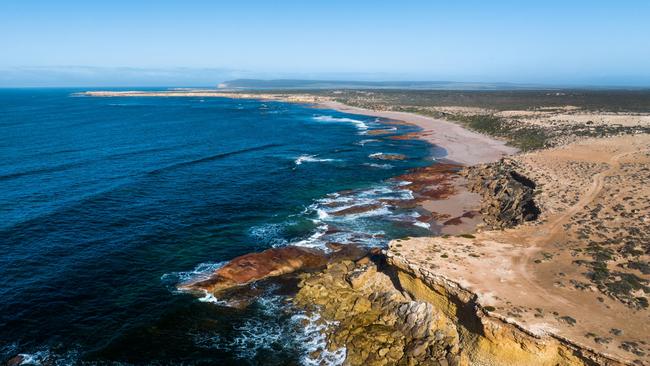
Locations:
column 550, row 327
column 463, row 146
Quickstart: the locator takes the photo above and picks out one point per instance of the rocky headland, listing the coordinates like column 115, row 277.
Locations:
column 535, row 259
column 515, row 292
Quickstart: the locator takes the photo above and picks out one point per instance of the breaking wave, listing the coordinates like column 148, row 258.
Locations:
column 379, row 166
column 359, row 124
column 201, row 272
column 310, row 159
column 277, row 327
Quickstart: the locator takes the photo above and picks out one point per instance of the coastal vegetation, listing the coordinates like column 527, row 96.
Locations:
column 558, row 264
column 527, row 119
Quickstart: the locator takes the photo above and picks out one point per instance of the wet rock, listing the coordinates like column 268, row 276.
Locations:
column 432, row 182
column 382, row 156
column 454, row 221
column 384, row 131
column 334, row 246
column 15, row 361
column 376, row 323
column 357, row 209
column 348, row 252
column 256, row 266
column 470, row 214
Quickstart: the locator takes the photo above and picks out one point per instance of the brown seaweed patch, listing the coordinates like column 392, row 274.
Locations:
column 383, row 131
column 383, row 156
column 454, row 221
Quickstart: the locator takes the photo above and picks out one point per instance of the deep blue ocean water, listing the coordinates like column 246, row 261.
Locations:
column 107, row 203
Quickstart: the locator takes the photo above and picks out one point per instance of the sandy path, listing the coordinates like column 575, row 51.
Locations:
column 554, row 230
column 506, row 272
column 463, row 146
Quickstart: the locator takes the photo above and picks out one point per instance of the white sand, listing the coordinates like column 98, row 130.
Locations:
column 463, row 146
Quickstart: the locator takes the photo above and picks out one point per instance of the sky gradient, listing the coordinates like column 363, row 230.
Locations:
column 160, row 42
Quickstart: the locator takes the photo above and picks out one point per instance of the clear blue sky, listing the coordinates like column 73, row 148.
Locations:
column 196, row 42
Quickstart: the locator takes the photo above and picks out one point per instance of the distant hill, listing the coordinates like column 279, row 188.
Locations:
column 343, row 84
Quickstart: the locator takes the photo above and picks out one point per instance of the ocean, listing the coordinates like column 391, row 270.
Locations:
column 106, row 204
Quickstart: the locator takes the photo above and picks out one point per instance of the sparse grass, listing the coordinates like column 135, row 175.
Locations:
column 644, row 267
column 524, row 138
column 613, row 100
column 569, row 320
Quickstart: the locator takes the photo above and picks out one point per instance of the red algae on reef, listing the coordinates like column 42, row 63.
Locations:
column 256, row 266
column 431, row 182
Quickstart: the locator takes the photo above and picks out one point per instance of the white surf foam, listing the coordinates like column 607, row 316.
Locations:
column 270, row 234
column 322, row 214
column 314, row 339
column 359, row 124
column 201, row 272
column 310, row 159
column 366, row 141
column 272, row 332
column 44, row 356
column 378, row 166
column 421, row 224
column 314, row 240
column 208, row 297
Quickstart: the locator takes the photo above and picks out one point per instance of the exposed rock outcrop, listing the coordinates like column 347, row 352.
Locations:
column 376, row 323
column 386, row 311
column 16, row 360
column 508, row 196
column 486, row 339
column 256, row 266
column 385, row 156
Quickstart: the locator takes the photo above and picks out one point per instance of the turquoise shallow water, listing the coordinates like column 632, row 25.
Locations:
column 107, row 203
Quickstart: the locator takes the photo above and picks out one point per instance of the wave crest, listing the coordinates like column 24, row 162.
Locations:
column 310, row 159
column 359, row 124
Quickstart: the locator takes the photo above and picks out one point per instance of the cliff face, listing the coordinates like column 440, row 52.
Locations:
column 508, row 196
column 373, row 321
column 388, row 311
column 485, row 339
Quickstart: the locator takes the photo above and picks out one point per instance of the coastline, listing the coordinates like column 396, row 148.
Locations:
column 551, row 331
column 463, row 146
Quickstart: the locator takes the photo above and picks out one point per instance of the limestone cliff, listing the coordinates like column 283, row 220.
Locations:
column 387, row 311
column 484, row 338
column 375, row 322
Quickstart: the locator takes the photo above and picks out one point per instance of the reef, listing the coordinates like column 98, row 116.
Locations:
column 385, row 311
column 257, row 266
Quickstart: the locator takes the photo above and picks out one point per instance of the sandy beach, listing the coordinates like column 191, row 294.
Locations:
column 525, row 284
column 463, row 146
